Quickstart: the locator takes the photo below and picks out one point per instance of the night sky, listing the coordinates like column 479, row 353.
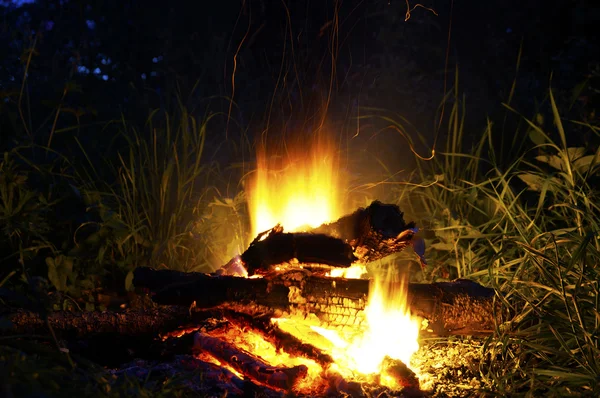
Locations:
column 129, row 56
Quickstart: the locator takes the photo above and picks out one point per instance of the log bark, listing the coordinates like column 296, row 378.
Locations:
column 277, row 377
column 366, row 235
column 276, row 247
column 373, row 232
column 80, row 324
column 459, row 307
column 183, row 288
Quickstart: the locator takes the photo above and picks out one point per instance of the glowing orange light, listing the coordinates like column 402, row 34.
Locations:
column 390, row 332
column 353, row 272
column 305, row 191
column 255, row 343
column 298, row 190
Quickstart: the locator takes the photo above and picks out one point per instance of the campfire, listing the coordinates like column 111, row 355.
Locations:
column 298, row 311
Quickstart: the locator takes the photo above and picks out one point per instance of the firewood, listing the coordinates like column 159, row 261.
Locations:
column 181, row 288
column 279, row 338
column 276, row 247
column 460, row 307
column 366, row 235
column 277, row 377
column 80, row 324
column 373, row 232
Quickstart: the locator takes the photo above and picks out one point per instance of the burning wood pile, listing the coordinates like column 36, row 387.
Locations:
column 293, row 314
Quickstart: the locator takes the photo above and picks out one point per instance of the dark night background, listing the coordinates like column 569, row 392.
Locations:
column 94, row 67
column 106, row 59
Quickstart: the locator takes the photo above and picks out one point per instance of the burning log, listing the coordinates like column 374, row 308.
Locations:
column 282, row 378
column 275, row 247
column 279, row 338
column 81, row 324
column 183, row 288
column 461, row 307
column 366, row 235
column 374, row 232
column 401, row 375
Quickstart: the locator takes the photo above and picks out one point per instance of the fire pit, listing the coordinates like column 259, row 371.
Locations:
column 298, row 314
column 288, row 324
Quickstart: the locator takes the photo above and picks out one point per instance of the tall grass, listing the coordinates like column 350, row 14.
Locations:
column 531, row 229
column 164, row 191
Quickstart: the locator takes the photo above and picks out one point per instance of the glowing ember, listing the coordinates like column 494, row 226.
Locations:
column 390, row 333
column 352, row 272
column 305, row 191
column 299, row 190
column 257, row 345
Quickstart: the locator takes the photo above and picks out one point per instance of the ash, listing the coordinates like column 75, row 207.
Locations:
column 449, row 367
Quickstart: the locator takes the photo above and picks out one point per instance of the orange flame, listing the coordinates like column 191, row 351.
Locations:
column 306, row 191
column 390, row 332
column 299, row 190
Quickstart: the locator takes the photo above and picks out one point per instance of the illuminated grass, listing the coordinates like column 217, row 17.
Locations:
column 530, row 229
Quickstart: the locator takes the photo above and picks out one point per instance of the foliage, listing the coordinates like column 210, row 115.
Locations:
column 23, row 211
column 223, row 230
column 529, row 228
column 165, row 209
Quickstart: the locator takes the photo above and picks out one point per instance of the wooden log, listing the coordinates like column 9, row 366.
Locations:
column 459, row 307
column 275, row 247
column 366, row 235
column 277, row 377
column 180, row 288
column 80, row 324
column 373, row 232
column 279, row 338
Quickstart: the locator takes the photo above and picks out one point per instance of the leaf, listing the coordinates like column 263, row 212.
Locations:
column 53, row 274
column 584, row 163
column 129, row 281
column 442, row 246
column 552, row 161
column 59, row 269
column 536, row 137
column 539, row 119
column 533, row 181
column 68, row 268
column 575, row 153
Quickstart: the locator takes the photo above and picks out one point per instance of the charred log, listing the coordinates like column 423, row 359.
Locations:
column 79, row 324
column 180, row 288
column 366, row 235
column 459, row 307
column 275, row 247
column 282, row 378
column 374, row 232
column 279, row 338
